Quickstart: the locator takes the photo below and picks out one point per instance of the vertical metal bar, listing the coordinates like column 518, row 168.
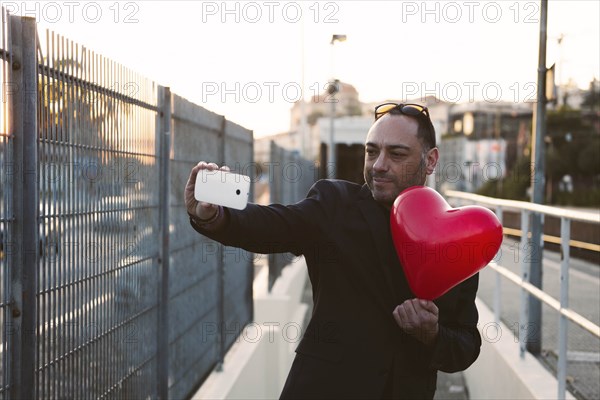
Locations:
column 53, row 273
column 272, row 199
column 524, row 314
column 563, row 323
column 61, row 278
column 250, row 269
column 534, row 341
column 42, row 279
column 90, row 228
column 25, row 200
column 43, row 121
column 5, row 240
column 498, row 286
column 332, row 156
column 78, row 366
column 164, row 98
column 65, row 218
column 112, row 363
column 58, row 203
column 83, row 224
column 103, row 146
column 221, row 266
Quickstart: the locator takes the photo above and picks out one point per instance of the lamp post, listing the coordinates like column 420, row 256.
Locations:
column 534, row 337
column 305, row 143
column 332, row 89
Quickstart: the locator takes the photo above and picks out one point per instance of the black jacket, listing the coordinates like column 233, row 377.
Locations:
column 352, row 347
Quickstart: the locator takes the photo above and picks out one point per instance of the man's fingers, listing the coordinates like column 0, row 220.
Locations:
column 191, row 183
column 202, row 165
column 419, row 318
column 405, row 315
column 411, row 311
column 397, row 316
column 427, row 305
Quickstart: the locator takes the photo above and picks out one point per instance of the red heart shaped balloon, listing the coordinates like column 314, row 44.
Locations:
column 439, row 246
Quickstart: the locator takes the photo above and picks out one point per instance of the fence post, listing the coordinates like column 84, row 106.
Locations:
column 164, row 132
column 275, row 196
column 565, row 234
column 498, row 286
column 524, row 324
column 221, row 266
column 23, row 118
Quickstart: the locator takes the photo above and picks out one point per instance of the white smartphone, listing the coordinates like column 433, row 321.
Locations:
column 222, row 188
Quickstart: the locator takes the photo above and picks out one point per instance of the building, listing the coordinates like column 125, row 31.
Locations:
column 478, row 141
column 484, row 140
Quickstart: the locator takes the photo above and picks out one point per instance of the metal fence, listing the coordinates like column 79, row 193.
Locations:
column 106, row 291
column 290, row 179
column 566, row 315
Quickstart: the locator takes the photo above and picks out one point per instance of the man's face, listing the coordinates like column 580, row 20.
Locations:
column 394, row 158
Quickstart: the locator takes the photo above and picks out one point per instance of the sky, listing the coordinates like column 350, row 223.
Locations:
column 251, row 60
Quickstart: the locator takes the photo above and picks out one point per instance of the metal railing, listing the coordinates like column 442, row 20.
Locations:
column 105, row 289
column 561, row 305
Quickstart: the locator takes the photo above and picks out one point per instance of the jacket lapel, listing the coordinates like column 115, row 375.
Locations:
column 396, row 288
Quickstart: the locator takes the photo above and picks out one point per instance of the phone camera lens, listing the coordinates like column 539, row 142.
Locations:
column 238, row 192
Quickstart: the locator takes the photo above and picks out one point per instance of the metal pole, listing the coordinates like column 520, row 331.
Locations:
column 563, row 322
column 332, row 170
column 164, row 99
column 304, row 142
column 498, row 286
column 221, row 268
column 333, row 89
column 24, row 72
column 534, row 340
column 523, row 313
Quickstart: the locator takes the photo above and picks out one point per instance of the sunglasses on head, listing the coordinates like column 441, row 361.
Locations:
column 413, row 110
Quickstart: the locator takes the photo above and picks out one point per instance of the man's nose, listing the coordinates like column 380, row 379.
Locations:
column 381, row 163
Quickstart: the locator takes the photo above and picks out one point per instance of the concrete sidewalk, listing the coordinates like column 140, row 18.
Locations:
column 583, row 351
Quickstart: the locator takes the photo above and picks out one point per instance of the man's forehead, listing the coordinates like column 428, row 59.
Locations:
column 393, row 130
column 396, row 121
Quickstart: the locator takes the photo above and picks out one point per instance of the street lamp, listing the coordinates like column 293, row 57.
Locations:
column 332, row 89
column 338, row 38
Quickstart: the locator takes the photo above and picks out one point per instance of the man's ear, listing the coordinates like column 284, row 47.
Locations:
column 431, row 160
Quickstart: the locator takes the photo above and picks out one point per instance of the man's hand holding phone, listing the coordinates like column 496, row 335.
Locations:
column 209, row 187
column 200, row 209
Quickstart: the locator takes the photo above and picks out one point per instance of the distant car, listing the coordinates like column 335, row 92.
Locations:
column 114, row 213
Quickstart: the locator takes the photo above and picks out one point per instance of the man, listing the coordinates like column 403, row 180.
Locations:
column 368, row 337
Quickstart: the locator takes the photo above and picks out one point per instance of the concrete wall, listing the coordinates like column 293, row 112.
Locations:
column 500, row 373
column 258, row 363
